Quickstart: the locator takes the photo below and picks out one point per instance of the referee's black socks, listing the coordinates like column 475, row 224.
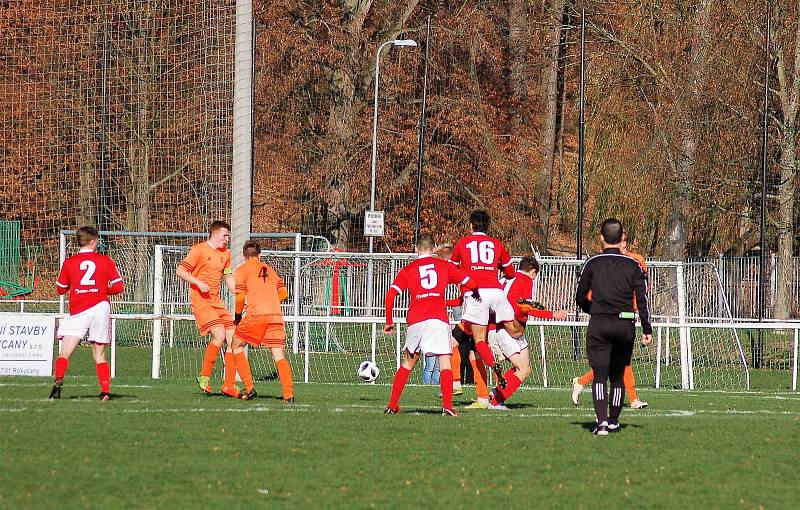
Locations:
column 600, row 393
column 617, row 397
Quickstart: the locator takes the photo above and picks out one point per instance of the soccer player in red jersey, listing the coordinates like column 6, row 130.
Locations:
column 428, row 328
column 90, row 278
column 479, row 256
column 520, row 294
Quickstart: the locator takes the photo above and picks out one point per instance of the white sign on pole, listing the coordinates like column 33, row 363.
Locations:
column 26, row 344
column 373, row 223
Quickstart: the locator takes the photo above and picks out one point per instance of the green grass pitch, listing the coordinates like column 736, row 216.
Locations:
column 161, row 444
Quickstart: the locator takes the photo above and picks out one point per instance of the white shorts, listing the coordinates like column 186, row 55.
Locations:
column 95, row 320
column 503, row 343
column 431, row 336
column 477, row 312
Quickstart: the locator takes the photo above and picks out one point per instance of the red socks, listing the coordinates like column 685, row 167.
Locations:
column 512, row 383
column 62, row 364
column 446, row 383
column 485, row 352
column 400, row 380
column 104, row 376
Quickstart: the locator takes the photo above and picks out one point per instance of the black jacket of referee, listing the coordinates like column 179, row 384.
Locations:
column 613, row 279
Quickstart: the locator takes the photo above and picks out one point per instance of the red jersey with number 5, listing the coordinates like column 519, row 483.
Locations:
column 480, row 256
column 90, row 278
column 426, row 279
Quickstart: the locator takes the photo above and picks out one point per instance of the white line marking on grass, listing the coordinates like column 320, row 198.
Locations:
column 12, row 409
column 71, row 385
column 778, row 397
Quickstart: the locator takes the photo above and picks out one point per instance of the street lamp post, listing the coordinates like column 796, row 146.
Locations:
column 394, row 42
column 370, row 268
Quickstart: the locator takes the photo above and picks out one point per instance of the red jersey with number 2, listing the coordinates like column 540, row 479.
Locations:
column 426, row 279
column 480, row 256
column 90, row 278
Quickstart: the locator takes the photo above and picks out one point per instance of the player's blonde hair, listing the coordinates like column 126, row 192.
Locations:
column 443, row 248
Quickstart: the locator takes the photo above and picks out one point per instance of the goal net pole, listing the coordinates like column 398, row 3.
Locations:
column 242, row 175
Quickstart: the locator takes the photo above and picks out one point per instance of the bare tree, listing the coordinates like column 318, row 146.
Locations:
column 549, row 130
column 786, row 50
column 677, row 229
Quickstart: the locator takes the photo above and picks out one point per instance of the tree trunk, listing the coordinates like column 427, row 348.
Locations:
column 349, row 84
column 789, row 88
column 549, row 130
column 677, row 230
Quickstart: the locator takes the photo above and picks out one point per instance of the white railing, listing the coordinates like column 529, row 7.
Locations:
column 699, row 353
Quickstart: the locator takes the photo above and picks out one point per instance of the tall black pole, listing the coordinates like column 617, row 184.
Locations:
column 576, row 341
column 581, row 137
column 758, row 357
column 422, row 119
column 103, row 212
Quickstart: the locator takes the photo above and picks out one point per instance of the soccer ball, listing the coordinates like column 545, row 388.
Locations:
column 368, row 371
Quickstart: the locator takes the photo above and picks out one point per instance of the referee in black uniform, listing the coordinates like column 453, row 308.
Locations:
column 613, row 280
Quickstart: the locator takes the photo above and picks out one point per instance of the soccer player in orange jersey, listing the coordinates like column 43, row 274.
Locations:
column 578, row 383
column 261, row 290
column 203, row 268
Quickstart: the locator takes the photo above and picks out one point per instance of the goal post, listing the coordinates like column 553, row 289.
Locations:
column 332, row 327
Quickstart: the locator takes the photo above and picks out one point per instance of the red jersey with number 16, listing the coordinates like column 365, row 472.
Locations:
column 480, row 256
column 425, row 279
column 90, row 278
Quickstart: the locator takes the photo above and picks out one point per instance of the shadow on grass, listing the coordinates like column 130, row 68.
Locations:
column 521, row 406
column 96, row 396
column 590, row 425
column 423, row 411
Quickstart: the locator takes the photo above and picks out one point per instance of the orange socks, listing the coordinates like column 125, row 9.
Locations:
column 243, row 367
column 230, row 370
column 285, row 373
column 586, row 378
column 212, row 351
column 455, row 363
column 479, row 373
column 630, row 383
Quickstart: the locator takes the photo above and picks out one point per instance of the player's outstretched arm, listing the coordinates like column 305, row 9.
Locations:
column 389, row 306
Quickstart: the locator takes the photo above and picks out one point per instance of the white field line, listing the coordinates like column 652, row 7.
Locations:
column 534, row 389
column 557, row 412
column 71, row 385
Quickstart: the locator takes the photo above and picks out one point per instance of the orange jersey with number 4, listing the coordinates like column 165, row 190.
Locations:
column 261, row 285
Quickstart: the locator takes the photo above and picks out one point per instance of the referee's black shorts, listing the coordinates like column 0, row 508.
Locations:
column 609, row 342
